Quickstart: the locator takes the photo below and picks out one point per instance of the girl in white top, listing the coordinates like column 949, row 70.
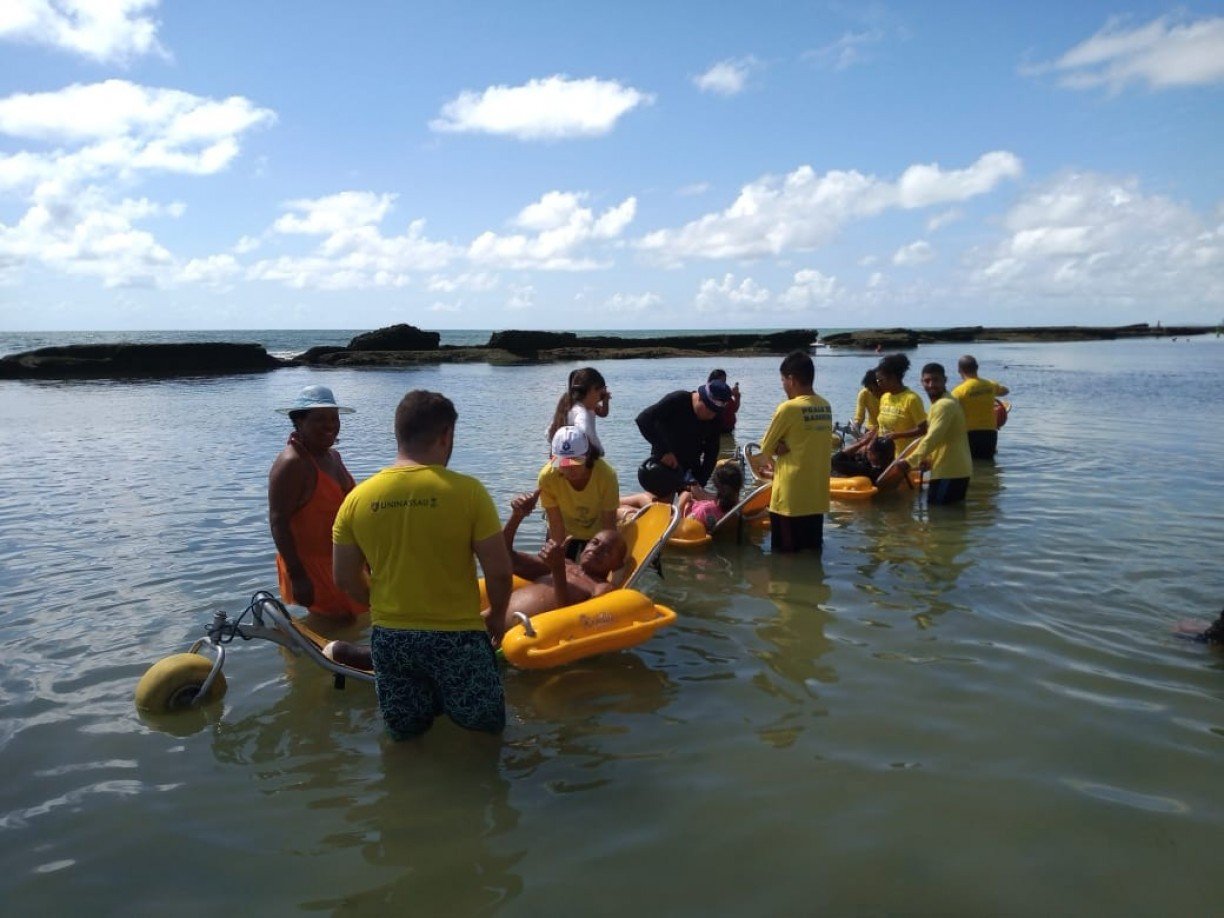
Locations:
column 586, row 398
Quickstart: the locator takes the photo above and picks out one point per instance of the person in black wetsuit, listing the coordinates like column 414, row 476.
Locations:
column 683, row 429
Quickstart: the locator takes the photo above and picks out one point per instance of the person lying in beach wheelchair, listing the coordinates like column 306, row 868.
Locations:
column 554, row 581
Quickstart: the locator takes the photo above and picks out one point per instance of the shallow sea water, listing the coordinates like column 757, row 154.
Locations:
column 974, row 710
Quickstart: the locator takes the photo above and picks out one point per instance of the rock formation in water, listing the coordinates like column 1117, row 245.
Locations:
column 136, row 361
column 901, row 338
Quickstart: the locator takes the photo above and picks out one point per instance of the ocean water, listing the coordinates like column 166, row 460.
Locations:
column 973, row 710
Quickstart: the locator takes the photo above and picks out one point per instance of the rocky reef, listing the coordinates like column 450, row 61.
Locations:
column 135, row 361
column 902, row 338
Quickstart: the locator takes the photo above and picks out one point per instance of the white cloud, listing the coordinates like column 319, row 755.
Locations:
column 522, row 297
column 693, row 190
column 477, row 282
column 562, row 226
column 246, row 245
column 1162, row 54
column 852, row 48
column 335, row 213
column 916, row 253
column 81, row 232
column 354, row 253
column 103, row 30
column 727, row 296
column 804, row 210
column 553, row 108
column 1088, row 239
column 809, row 289
column 632, row 302
column 440, row 306
column 78, row 218
column 727, row 78
column 940, row 220
column 215, row 271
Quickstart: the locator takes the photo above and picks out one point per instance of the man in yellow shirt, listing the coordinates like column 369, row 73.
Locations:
column 799, row 444
column 403, row 543
column 977, row 398
column 944, row 448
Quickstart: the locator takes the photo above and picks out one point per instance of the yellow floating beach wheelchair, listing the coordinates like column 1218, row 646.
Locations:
column 621, row 618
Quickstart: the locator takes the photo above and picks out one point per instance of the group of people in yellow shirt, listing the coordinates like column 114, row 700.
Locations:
column 404, row 543
column 961, row 426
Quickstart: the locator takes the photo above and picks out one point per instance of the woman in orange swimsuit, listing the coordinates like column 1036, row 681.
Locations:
column 306, row 486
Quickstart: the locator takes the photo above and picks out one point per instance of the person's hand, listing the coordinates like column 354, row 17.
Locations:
column 523, row 504
column 303, row 589
column 670, row 460
column 735, row 388
column 553, row 554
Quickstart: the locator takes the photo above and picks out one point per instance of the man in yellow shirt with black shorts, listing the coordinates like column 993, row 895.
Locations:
column 403, row 542
column 977, row 399
column 799, row 444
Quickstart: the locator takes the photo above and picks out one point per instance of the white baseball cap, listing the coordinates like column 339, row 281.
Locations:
column 569, row 447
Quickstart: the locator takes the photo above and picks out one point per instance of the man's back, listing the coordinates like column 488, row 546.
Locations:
column 977, row 397
column 416, row 525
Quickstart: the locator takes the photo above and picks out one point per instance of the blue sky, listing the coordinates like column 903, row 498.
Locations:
column 621, row 165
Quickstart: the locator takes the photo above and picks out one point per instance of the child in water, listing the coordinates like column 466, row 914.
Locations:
column 586, row 398
column 697, row 503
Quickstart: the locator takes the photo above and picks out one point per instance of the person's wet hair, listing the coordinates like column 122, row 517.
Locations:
column 934, row 369
column 869, row 380
column 720, row 375
column 894, row 365
column 728, row 479
column 967, row 364
column 798, row 365
column 422, row 417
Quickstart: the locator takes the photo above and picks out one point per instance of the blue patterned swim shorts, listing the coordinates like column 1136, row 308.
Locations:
column 421, row 674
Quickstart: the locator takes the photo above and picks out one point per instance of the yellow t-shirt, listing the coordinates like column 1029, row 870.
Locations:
column 580, row 509
column 945, row 444
column 416, row 526
column 801, row 477
column 977, row 398
column 900, row 411
column 867, row 407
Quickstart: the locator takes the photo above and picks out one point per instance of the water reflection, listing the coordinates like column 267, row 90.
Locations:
column 433, row 818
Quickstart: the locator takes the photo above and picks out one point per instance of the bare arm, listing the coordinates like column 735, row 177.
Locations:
column 349, row 572
column 556, row 524
column 524, row 565
column 495, row 562
column 290, row 483
column 552, row 555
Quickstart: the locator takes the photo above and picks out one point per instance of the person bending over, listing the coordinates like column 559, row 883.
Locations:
column 682, row 429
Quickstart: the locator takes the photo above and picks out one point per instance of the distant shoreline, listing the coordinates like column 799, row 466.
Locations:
column 404, row 345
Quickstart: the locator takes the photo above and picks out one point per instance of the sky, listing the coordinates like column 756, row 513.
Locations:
column 681, row 165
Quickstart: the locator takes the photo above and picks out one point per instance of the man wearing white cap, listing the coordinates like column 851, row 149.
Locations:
column 306, row 486
column 579, row 491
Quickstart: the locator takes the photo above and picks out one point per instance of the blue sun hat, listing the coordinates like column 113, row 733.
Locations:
column 315, row 397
